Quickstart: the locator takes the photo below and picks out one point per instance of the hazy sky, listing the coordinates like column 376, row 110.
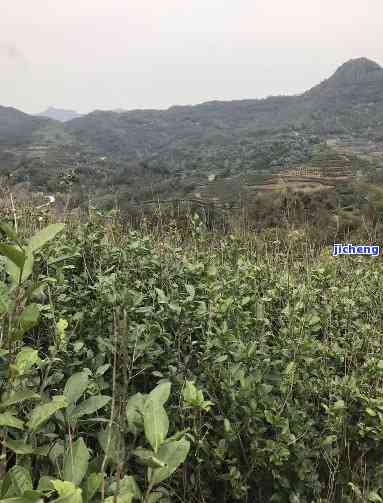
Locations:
column 87, row 54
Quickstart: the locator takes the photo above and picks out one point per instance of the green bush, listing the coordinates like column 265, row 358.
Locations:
column 274, row 361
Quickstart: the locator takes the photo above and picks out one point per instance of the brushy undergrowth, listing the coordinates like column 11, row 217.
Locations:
column 268, row 356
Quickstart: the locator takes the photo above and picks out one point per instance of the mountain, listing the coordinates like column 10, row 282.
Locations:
column 228, row 137
column 60, row 114
column 349, row 102
column 361, row 73
column 18, row 128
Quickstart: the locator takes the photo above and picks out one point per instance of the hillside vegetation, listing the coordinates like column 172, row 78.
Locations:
column 177, row 364
column 170, row 148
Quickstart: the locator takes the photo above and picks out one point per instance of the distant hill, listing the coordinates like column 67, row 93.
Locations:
column 60, row 114
column 18, row 128
column 362, row 74
column 349, row 101
column 227, row 137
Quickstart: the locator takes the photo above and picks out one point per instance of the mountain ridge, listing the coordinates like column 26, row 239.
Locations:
column 18, row 127
column 354, row 72
column 345, row 74
column 348, row 102
column 330, row 107
column 59, row 114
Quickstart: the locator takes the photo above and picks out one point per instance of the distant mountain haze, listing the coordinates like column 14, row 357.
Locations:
column 351, row 100
column 60, row 114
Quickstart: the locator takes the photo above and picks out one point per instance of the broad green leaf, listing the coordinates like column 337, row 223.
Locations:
column 63, row 487
column 76, row 462
column 148, row 458
column 38, row 292
column 42, row 413
column 13, row 254
column 156, row 423
column 62, row 258
column 21, row 479
column 92, row 485
column 28, row 266
column 43, row 237
column 189, row 392
column 89, row 406
column 121, row 498
column 61, row 327
column 101, row 370
column 173, row 454
column 68, row 492
column 162, row 299
column 157, row 496
column 45, row 484
column 135, row 413
column 221, row 359
column 8, row 419
column 339, row 405
column 75, row 386
column 177, row 436
column 374, row 496
column 43, row 451
column 227, row 425
column 5, row 301
column 127, row 485
column 25, row 359
column 57, row 451
column 161, row 393
column 330, row 439
column 13, row 271
column 29, row 317
column 211, row 271
column 9, row 231
column 6, row 487
column 28, row 497
column 175, row 307
column 18, row 446
column 73, row 497
column 18, row 397
column 112, row 443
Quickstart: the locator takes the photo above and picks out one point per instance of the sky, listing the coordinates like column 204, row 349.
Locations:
column 106, row 54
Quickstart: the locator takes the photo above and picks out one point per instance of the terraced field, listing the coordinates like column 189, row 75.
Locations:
column 324, row 172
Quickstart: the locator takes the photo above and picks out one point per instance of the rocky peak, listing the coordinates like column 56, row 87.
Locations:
column 356, row 70
column 353, row 72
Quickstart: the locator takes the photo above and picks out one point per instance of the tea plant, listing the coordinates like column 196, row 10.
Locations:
column 43, row 431
column 268, row 362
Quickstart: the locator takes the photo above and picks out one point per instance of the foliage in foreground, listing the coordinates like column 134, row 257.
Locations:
column 51, row 431
column 271, row 370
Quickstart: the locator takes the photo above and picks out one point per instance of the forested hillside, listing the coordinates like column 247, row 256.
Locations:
column 219, row 137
